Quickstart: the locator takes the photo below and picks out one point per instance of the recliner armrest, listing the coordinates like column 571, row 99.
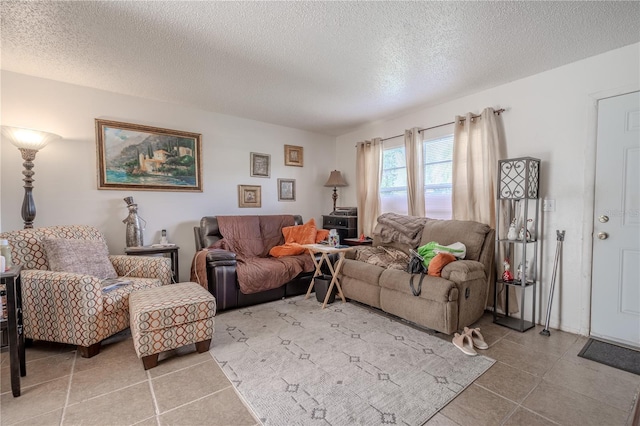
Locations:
column 463, row 270
column 220, row 257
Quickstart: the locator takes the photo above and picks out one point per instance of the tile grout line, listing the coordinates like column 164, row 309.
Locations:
column 573, row 390
column 543, row 379
column 197, row 399
column 107, row 393
column 179, row 369
column 66, row 401
column 517, row 404
column 153, row 398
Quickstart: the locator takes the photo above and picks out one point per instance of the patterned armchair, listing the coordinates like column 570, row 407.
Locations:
column 70, row 307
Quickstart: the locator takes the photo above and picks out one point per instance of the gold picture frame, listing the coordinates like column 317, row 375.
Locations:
column 293, row 156
column 260, row 165
column 286, row 189
column 250, row 196
column 145, row 158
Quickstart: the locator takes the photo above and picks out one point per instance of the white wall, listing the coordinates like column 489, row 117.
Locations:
column 549, row 116
column 66, row 178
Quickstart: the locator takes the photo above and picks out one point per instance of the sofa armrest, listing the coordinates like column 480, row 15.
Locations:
column 463, row 270
column 143, row 267
column 220, row 257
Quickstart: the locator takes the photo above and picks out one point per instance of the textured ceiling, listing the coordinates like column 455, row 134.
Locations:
column 327, row 67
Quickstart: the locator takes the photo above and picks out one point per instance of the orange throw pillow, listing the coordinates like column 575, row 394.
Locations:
column 322, row 235
column 289, row 249
column 438, row 262
column 301, row 234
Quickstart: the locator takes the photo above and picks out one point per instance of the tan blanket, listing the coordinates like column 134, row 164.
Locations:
column 385, row 257
column 393, row 227
column 251, row 238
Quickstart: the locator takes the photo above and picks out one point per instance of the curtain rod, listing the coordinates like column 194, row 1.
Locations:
column 497, row 112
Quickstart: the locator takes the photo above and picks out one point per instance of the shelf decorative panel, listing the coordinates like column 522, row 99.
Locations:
column 518, row 178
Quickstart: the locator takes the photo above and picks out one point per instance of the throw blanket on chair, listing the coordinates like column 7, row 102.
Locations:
column 251, row 238
column 393, row 227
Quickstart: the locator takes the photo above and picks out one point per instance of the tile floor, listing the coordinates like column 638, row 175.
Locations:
column 536, row 380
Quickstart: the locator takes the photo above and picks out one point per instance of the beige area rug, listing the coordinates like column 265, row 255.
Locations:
column 297, row 364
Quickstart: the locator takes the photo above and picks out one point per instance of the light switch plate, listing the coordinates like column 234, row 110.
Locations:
column 548, row 205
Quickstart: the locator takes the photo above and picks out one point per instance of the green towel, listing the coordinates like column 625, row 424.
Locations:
column 431, row 249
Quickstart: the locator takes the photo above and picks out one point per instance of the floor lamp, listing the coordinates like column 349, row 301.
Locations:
column 335, row 180
column 29, row 142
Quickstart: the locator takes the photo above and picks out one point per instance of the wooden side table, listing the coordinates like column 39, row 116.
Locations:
column 172, row 251
column 325, row 251
column 18, row 367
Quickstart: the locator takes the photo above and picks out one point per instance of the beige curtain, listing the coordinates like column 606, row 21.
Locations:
column 369, row 172
column 415, row 172
column 476, row 150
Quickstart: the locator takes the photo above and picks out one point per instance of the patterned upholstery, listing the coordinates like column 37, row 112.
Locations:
column 169, row 317
column 72, row 308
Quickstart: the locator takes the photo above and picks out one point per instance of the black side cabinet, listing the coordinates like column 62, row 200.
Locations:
column 347, row 226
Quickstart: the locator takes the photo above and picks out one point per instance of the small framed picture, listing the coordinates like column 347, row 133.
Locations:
column 260, row 165
column 293, row 156
column 286, row 189
column 249, row 196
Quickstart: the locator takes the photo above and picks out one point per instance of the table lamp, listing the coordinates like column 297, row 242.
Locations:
column 335, row 180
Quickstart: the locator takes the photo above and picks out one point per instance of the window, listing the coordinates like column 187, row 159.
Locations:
column 438, row 161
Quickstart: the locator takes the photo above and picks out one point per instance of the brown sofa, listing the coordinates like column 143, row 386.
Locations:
column 222, row 265
column 447, row 303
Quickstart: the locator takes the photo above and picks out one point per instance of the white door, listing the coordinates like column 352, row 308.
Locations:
column 615, row 293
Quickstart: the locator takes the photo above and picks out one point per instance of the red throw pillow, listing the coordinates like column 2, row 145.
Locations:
column 438, row 262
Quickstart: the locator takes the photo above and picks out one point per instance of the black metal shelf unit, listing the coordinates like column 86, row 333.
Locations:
column 518, row 193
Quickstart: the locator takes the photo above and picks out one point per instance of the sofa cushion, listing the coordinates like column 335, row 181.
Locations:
column 471, row 234
column 362, row 271
column 242, row 235
column 88, row 257
column 433, row 288
column 271, row 230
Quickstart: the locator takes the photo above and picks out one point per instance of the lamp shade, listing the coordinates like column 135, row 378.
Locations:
column 336, row 180
column 28, row 138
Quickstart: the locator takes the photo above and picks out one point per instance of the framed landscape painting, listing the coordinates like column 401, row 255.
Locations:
column 136, row 157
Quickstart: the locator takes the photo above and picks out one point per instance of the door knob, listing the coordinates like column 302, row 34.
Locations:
column 603, row 235
column 603, row 219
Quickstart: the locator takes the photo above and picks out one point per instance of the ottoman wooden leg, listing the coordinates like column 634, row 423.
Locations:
column 150, row 361
column 203, row 346
column 89, row 351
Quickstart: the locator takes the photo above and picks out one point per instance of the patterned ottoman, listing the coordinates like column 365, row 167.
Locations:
column 168, row 317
